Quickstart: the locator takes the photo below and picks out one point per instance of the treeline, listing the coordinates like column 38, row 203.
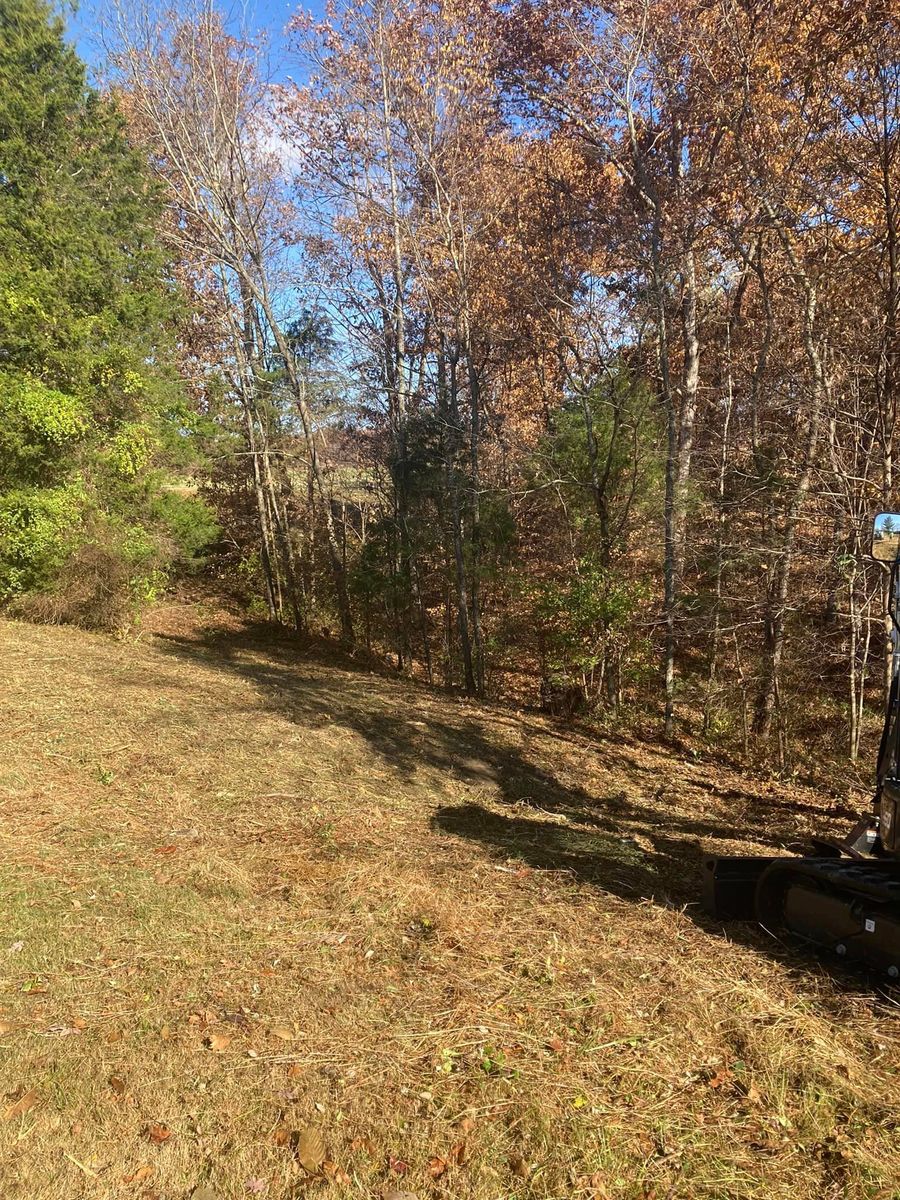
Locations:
column 550, row 347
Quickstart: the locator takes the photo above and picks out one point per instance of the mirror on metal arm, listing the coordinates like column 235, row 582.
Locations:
column 886, row 537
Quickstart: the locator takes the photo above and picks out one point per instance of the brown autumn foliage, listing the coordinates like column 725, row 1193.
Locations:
column 591, row 315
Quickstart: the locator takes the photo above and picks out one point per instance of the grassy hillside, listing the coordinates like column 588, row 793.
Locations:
column 249, row 889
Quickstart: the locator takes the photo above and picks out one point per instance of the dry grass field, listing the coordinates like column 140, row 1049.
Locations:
column 250, row 891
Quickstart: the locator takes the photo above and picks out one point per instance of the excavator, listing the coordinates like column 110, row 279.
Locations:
column 840, row 896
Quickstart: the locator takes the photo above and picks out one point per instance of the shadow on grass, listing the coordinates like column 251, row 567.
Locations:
column 636, row 843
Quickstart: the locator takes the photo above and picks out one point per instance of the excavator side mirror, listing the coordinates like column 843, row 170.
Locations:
column 886, row 537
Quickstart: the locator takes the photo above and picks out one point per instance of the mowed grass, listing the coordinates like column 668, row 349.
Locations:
column 247, row 888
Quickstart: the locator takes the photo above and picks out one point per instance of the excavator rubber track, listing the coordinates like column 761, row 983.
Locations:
column 848, row 906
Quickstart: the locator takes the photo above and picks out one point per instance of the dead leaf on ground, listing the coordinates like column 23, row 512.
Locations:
column 364, row 1143
column 6, row 1027
column 594, row 1185
column 436, row 1166
column 294, row 1071
column 204, row 1193
column 141, row 1175
column 21, row 1105
column 205, row 1017
column 392, row 1194
column 117, row 1083
column 335, row 1173
column 59, row 1030
column 157, row 1132
column 556, row 1044
column 282, row 1134
column 309, row 1147
column 459, row 1153
column 282, row 1032
column 238, row 1017
column 519, row 1166
column 721, row 1076
column 217, row 1042
column 465, row 1126
column 397, row 1165
column 114, row 1035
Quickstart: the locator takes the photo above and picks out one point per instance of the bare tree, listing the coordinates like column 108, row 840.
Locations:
column 200, row 99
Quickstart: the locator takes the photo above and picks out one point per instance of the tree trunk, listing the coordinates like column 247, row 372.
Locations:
column 720, row 539
column 265, row 537
column 474, row 448
column 688, row 415
column 449, row 405
column 778, row 607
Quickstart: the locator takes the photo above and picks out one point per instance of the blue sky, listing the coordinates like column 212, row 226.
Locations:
column 270, row 16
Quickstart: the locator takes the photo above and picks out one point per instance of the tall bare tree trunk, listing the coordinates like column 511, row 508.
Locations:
column 688, row 415
column 449, row 405
column 721, row 475
column 776, row 616
column 475, row 473
column 265, row 536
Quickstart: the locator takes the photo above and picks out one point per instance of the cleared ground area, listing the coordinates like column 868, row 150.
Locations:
column 261, row 908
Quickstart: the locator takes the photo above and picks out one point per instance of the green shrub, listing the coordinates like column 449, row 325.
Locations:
column 37, row 528
column 190, row 523
column 587, row 622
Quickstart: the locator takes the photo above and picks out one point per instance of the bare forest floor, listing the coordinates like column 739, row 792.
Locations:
column 248, row 890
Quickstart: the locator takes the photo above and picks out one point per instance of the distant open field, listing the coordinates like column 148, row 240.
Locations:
column 250, row 890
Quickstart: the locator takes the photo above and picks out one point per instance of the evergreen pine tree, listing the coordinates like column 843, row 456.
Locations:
column 86, row 320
